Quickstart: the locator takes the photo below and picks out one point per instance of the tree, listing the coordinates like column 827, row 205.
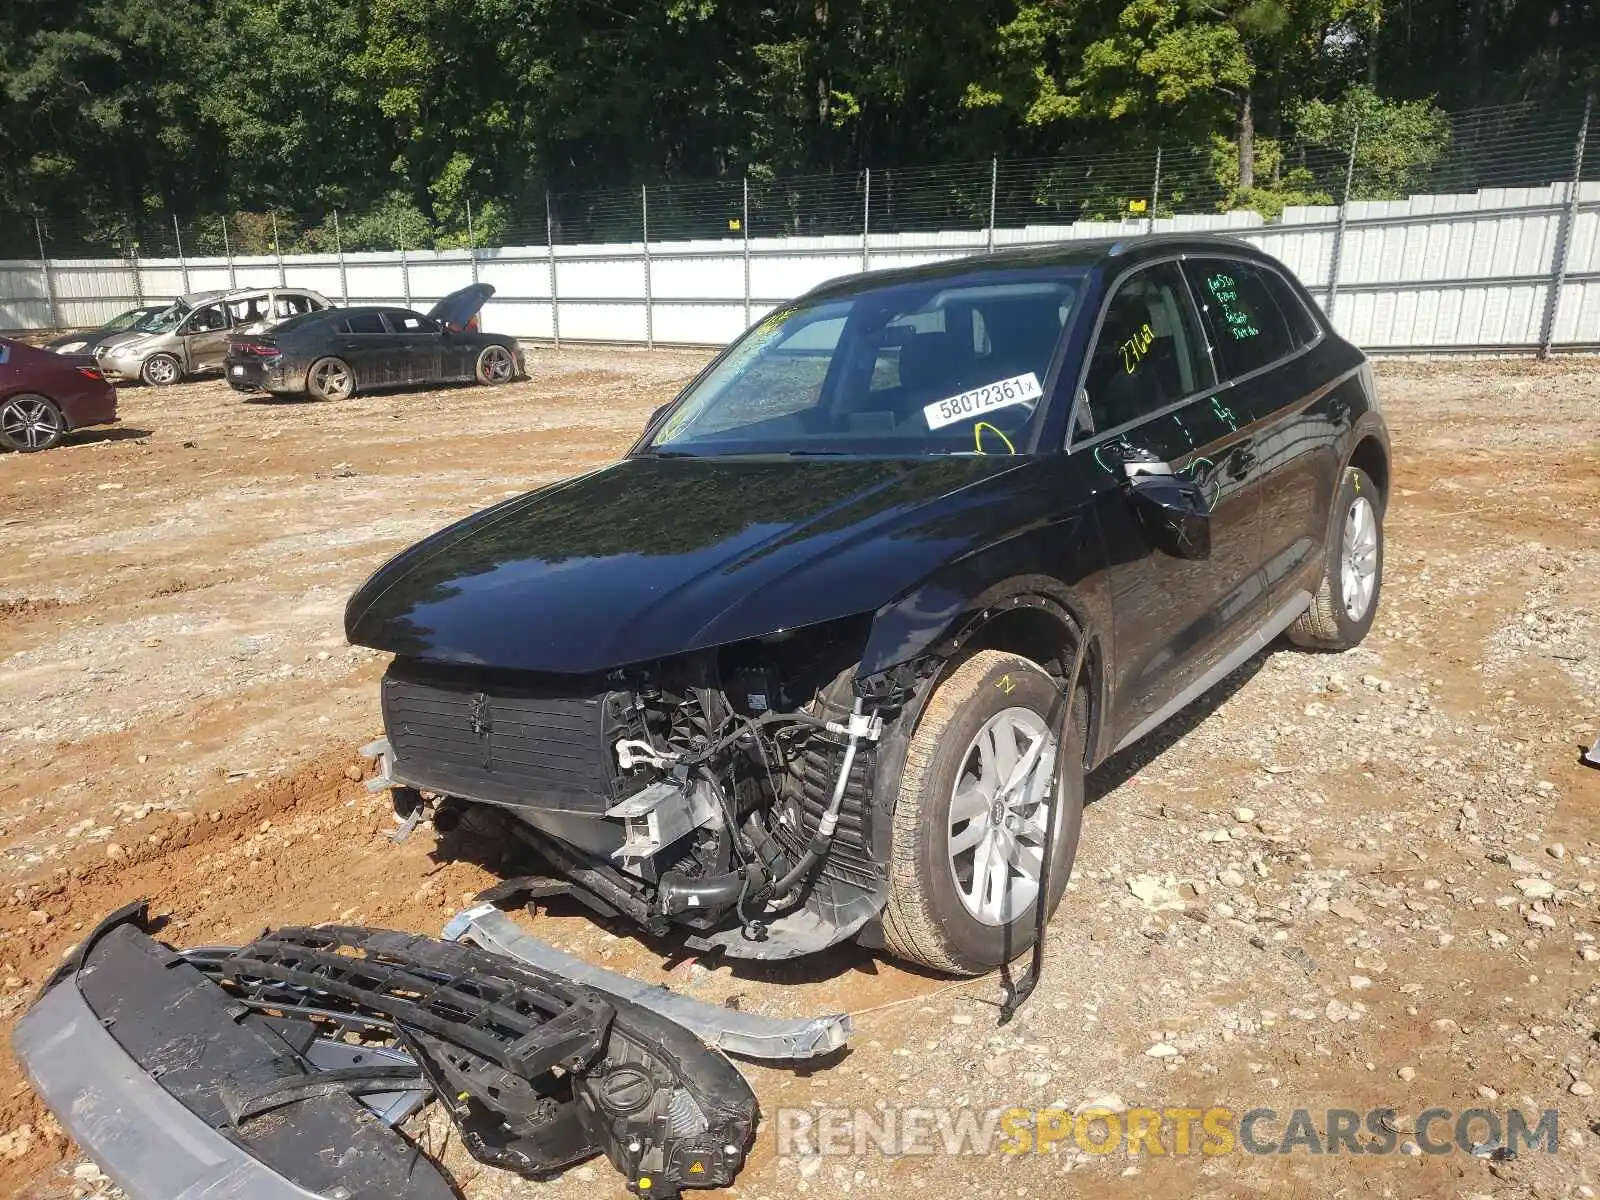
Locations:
column 1393, row 140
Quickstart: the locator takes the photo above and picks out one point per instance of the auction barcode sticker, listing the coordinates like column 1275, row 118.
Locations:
column 1019, row 389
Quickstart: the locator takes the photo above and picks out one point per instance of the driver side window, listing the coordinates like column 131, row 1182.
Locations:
column 208, row 319
column 1149, row 353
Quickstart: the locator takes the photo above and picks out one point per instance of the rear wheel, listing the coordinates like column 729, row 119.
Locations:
column 29, row 423
column 496, row 365
column 982, row 771
column 160, row 370
column 1346, row 602
column 331, row 379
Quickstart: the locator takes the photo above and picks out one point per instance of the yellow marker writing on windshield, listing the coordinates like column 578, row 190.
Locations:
column 977, row 438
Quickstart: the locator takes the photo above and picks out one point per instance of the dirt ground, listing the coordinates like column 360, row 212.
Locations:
column 1355, row 881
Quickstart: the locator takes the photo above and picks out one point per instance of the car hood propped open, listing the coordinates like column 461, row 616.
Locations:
column 653, row 557
column 458, row 308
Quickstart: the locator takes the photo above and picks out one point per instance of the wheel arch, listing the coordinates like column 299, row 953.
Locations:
column 1371, row 456
column 1036, row 619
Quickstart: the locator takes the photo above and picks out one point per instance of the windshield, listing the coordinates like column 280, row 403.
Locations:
column 936, row 366
column 164, row 321
column 126, row 320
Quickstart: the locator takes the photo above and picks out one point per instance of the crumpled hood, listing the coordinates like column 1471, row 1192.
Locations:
column 652, row 557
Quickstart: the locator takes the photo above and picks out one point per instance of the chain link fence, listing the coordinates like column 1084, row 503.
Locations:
column 1523, row 145
column 890, row 213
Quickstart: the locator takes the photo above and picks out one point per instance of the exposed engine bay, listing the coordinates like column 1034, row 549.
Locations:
column 731, row 790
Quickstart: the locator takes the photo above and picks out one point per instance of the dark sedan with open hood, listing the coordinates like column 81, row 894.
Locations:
column 332, row 355
column 828, row 653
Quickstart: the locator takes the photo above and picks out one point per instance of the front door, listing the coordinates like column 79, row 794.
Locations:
column 1150, row 392
column 205, row 338
column 420, row 346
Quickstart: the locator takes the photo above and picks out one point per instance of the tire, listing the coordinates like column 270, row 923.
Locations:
column 1342, row 610
column 161, row 370
column 495, row 364
column 331, row 379
column 928, row 918
column 30, row 423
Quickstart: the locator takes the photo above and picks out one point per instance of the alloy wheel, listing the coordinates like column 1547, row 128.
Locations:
column 161, row 371
column 31, row 423
column 496, row 364
column 332, row 379
column 998, row 814
column 1359, row 567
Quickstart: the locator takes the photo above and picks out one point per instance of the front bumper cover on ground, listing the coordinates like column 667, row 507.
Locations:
column 274, row 1071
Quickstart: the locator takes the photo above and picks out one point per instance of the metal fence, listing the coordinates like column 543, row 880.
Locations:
column 1491, row 241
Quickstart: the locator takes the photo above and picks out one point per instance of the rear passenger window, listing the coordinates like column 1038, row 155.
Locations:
column 1247, row 328
column 1302, row 325
column 1149, row 353
column 363, row 323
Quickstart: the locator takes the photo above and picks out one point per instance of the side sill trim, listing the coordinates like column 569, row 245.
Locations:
column 1257, row 640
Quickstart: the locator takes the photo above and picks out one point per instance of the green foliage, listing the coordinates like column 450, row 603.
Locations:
column 403, row 114
column 1279, row 183
column 1394, row 140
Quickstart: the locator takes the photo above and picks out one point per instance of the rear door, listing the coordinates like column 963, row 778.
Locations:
column 1262, row 332
column 373, row 352
column 1150, row 389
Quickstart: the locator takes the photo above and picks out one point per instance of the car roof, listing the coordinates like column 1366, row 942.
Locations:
column 195, row 298
column 1079, row 253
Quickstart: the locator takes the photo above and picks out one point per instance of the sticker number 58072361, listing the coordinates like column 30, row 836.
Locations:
column 1019, row 389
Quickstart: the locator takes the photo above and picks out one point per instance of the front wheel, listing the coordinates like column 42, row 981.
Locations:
column 160, row 370
column 496, row 365
column 331, row 379
column 30, row 423
column 982, row 770
column 1341, row 612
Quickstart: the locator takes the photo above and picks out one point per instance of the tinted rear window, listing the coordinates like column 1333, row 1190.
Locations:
column 1242, row 317
column 303, row 321
column 363, row 323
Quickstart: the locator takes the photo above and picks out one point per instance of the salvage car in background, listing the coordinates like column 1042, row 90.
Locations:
column 84, row 341
column 333, row 355
column 44, row 396
column 827, row 655
column 191, row 337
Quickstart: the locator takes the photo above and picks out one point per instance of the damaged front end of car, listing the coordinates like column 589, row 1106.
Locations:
column 286, row 1069
column 736, row 791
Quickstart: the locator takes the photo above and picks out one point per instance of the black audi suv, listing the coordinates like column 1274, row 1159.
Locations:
column 828, row 653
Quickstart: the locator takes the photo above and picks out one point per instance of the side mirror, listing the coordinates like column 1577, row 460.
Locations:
column 656, row 416
column 1173, row 512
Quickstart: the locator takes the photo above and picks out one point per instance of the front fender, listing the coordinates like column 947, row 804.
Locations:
column 1058, row 565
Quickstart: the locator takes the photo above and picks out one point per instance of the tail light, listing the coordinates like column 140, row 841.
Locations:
column 255, row 350
column 92, row 373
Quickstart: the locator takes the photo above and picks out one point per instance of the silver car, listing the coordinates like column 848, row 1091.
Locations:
column 191, row 337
